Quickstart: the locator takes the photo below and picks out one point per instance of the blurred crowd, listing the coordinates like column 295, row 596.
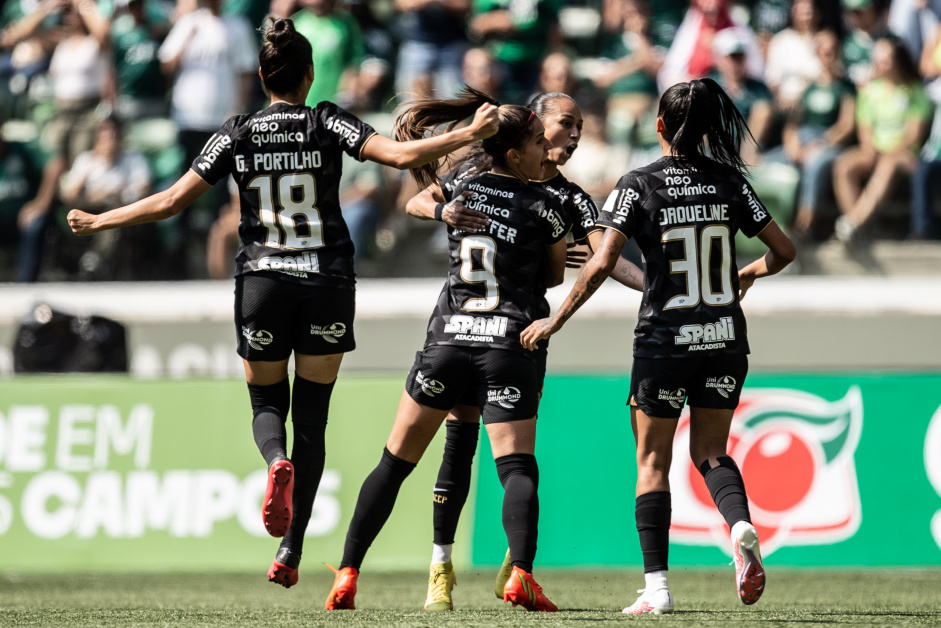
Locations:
column 103, row 102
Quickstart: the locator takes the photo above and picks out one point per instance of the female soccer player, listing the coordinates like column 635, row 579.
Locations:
column 294, row 277
column 562, row 119
column 690, row 343
column 496, row 284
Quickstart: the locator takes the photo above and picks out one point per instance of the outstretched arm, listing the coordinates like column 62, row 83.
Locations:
column 415, row 153
column 161, row 205
column 589, row 280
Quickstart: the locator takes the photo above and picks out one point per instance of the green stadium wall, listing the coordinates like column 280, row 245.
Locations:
column 112, row 473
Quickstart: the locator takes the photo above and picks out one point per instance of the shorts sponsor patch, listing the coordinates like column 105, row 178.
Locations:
column 257, row 339
column 504, row 396
column 724, row 385
column 330, row 333
column 430, row 387
column 676, row 398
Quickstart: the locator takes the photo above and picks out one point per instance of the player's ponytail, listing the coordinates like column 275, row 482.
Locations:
column 700, row 113
column 284, row 57
column 426, row 115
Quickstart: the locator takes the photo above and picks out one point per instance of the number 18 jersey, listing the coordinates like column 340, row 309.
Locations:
column 286, row 160
column 684, row 222
column 496, row 280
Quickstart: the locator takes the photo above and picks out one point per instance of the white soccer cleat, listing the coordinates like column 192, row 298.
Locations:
column 657, row 602
column 749, row 572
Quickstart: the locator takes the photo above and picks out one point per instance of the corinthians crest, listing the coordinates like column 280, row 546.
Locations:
column 796, row 452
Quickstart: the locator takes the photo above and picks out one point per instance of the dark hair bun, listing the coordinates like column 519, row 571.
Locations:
column 280, row 32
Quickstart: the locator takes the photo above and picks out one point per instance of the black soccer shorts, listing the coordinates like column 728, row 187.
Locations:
column 661, row 386
column 505, row 385
column 274, row 317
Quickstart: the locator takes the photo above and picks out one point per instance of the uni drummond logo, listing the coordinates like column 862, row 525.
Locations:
column 796, row 452
column 257, row 339
column 505, row 397
column 430, row 387
column 330, row 333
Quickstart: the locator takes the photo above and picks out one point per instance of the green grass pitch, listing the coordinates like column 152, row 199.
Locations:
column 587, row 599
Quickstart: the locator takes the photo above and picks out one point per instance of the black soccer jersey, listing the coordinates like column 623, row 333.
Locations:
column 496, row 280
column 286, row 160
column 685, row 223
column 577, row 205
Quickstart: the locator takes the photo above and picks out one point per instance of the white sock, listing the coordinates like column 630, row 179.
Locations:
column 441, row 553
column 656, row 580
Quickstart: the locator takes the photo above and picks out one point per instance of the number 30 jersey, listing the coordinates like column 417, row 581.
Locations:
column 684, row 222
column 496, row 279
column 286, row 160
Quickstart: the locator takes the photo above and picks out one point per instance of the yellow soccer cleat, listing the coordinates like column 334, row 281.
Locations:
column 441, row 580
column 503, row 575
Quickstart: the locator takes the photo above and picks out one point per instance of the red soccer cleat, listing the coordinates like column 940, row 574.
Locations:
column 277, row 509
column 749, row 572
column 522, row 590
column 344, row 589
column 283, row 570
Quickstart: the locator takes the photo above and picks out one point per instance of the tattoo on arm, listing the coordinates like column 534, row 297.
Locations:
column 585, row 286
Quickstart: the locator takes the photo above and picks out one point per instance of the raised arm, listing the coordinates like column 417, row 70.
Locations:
column 589, row 280
column 414, row 153
column 156, row 207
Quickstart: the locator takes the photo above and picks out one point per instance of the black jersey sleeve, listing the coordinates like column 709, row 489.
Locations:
column 349, row 132
column 449, row 182
column 620, row 211
column 755, row 216
column 214, row 163
column 585, row 214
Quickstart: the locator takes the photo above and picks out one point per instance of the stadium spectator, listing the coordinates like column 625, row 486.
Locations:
column 373, row 80
column 107, row 176
column 819, row 128
column 138, row 86
column 893, row 116
column 482, row 72
column 866, row 22
column 19, row 182
column 927, row 177
column 223, row 241
column 338, row 47
column 434, row 40
column 750, row 95
column 212, row 59
column 691, row 53
column 77, row 71
column 914, row 22
column 519, row 35
column 629, row 78
column 792, row 62
column 362, row 196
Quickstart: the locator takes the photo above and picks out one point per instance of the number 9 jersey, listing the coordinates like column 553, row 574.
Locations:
column 286, row 160
column 684, row 222
column 496, row 282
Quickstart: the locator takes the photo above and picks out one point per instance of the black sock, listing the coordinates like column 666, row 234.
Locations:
column 373, row 507
column 652, row 512
column 519, row 475
column 727, row 488
column 270, row 405
column 454, row 479
column 309, row 408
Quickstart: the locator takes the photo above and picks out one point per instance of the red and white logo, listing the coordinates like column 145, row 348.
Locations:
column 933, row 468
column 796, row 453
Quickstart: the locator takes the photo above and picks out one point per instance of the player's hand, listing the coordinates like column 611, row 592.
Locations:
column 82, row 223
column 538, row 330
column 485, row 122
column 744, row 283
column 575, row 256
column 460, row 217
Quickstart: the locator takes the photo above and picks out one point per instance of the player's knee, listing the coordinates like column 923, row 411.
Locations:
column 272, row 398
column 311, row 401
